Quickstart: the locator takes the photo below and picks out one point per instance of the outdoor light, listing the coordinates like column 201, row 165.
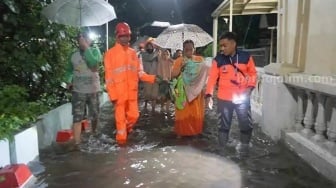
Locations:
column 226, row 20
column 93, row 36
column 160, row 24
column 239, row 99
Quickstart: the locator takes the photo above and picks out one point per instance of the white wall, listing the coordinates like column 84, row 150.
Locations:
column 289, row 35
column 4, row 153
column 278, row 107
column 55, row 120
column 321, row 44
column 25, row 147
column 307, row 36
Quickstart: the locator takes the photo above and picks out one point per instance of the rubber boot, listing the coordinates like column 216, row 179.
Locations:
column 94, row 124
column 223, row 137
column 243, row 146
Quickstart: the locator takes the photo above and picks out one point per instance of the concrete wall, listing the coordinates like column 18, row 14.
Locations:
column 306, row 45
column 55, row 120
column 307, row 35
column 25, row 146
column 321, row 44
column 288, row 34
column 4, row 153
column 278, row 107
column 256, row 98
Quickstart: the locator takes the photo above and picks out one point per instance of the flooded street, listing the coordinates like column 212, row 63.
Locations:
column 154, row 157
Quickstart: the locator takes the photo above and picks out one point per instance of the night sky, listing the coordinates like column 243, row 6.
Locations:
column 139, row 12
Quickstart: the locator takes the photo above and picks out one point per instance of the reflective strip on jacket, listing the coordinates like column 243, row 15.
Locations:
column 231, row 80
column 122, row 72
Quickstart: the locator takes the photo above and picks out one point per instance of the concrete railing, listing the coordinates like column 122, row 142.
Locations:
column 315, row 116
column 256, row 97
column 300, row 110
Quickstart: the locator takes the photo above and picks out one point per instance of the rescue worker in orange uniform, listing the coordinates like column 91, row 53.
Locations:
column 235, row 72
column 122, row 72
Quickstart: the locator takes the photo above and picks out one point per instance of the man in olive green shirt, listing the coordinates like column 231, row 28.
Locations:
column 82, row 77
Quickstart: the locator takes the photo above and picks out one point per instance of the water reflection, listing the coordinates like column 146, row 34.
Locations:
column 172, row 166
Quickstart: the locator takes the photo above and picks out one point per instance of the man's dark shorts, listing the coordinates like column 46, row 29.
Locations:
column 79, row 103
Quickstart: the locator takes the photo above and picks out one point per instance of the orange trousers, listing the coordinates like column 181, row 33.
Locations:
column 126, row 115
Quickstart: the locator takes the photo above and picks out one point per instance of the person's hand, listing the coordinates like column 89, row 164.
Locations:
column 248, row 91
column 158, row 79
column 83, row 44
column 209, row 102
column 69, row 86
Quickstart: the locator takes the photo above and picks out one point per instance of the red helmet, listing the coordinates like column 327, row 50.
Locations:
column 122, row 28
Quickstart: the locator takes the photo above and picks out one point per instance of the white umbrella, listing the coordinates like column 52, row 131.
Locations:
column 174, row 36
column 80, row 13
column 160, row 24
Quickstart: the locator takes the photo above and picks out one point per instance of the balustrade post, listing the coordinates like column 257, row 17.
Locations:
column 308, row 119
column 320, row 124
column 299, row 112
column 331, row 131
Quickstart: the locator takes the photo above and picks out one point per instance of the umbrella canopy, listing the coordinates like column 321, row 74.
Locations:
column 80, row 13
column 174, row 36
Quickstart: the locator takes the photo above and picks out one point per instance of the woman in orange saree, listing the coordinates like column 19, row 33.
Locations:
column 191, row 71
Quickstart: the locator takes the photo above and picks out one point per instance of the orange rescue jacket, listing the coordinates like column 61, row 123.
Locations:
column 122, row 72
column 234, row 75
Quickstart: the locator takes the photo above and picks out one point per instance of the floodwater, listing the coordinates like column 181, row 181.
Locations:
column 154, row 157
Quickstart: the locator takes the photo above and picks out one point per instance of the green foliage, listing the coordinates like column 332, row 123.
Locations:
column 112, row 41
column 33, row 56
column 15, row 110
column 207, row 51
column 33, row 52
column 9, row 125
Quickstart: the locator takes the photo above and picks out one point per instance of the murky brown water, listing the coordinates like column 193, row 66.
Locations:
column 154, row 157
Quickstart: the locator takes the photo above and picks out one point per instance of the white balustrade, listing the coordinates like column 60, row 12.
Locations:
column 316, row 117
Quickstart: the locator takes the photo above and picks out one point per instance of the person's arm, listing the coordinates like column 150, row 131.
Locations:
column 251, row 73
column 212, row 79
column 176, row 70
column 251, row 76
column 92, row 56
column 109, row 76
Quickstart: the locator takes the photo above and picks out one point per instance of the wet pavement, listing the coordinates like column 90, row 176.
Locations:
column 154, row 157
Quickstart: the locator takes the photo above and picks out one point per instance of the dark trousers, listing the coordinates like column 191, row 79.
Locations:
column 225, row 111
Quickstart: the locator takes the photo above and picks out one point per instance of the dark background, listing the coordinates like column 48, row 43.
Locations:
column 139, row 12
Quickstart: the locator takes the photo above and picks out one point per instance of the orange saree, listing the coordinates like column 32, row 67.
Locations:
column 189, row 120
